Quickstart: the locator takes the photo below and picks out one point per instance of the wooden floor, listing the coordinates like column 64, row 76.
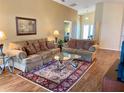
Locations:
column 92, row 80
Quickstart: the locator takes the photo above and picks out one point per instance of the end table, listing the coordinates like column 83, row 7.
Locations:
column 6, row 60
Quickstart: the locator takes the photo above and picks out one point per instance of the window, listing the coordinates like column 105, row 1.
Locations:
column 85, row 31
column 88, row 32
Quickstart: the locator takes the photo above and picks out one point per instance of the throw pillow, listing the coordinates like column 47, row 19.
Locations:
column 72, row 43
column 43, row 45
column 30, row 50
column 24, row 49
column 50, row 44
column 37, row 46
column 79, row 44
column 87, row 44
column 93, row 48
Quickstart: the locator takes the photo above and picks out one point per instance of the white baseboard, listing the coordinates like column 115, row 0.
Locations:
column 109, row 49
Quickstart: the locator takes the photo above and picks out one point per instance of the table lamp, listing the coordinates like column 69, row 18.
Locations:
column 2, row 38
column 56, row 34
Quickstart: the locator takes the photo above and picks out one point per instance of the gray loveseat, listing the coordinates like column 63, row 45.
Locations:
column 86, row 48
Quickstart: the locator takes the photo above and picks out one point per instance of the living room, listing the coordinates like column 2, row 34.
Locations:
column 60, row 45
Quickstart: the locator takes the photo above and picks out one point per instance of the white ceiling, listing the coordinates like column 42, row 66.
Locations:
column 83, row 6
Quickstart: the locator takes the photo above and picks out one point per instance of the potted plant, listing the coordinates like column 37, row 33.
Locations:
column 60, row 44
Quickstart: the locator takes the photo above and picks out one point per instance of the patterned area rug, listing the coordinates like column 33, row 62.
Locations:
column 57, row 77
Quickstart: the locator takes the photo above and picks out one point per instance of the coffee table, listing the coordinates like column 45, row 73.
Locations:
column 65, row 58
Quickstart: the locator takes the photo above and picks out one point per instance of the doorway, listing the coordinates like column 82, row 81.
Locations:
column 67, row 30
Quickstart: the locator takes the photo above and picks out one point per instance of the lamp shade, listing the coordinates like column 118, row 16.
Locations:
column 56, row 33
column 2, row 36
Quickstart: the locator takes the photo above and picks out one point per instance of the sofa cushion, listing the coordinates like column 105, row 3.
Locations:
column 79, row 44
column 37, row 46
column 88, row 44
column 44, row 54
column 54, row 51
column 30, row 49
column 50, row 45
column 70, row 50
column 43, row 45
column 82, row 52
column 72, row 43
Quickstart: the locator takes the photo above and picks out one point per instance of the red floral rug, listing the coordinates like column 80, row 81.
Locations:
column 57, row 78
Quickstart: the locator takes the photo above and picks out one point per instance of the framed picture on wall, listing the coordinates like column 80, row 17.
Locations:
column 25, row 26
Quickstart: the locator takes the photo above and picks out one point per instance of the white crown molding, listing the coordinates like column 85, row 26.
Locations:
column 84, row 5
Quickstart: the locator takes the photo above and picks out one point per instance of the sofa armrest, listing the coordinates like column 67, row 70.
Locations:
column 93, row 48
column 32, row 59
column 16, row 53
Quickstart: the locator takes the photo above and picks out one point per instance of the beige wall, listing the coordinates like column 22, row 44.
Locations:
column 90, row 16
column 98, row 21
column 50, row 16
column 110, row 27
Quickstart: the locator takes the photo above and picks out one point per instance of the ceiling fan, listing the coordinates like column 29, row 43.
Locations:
column 63, row 0
column 72, row 5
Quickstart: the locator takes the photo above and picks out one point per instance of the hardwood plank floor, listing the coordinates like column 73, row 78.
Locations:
column 91, row 81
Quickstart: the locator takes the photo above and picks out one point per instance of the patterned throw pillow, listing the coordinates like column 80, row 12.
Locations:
column 37, row 46
column 72, row 43
column 88, row 44
column 92, row 48
column 43, row 45
column 30, row 50
column 79, row 44
column 24, row 49
column 50, row 44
